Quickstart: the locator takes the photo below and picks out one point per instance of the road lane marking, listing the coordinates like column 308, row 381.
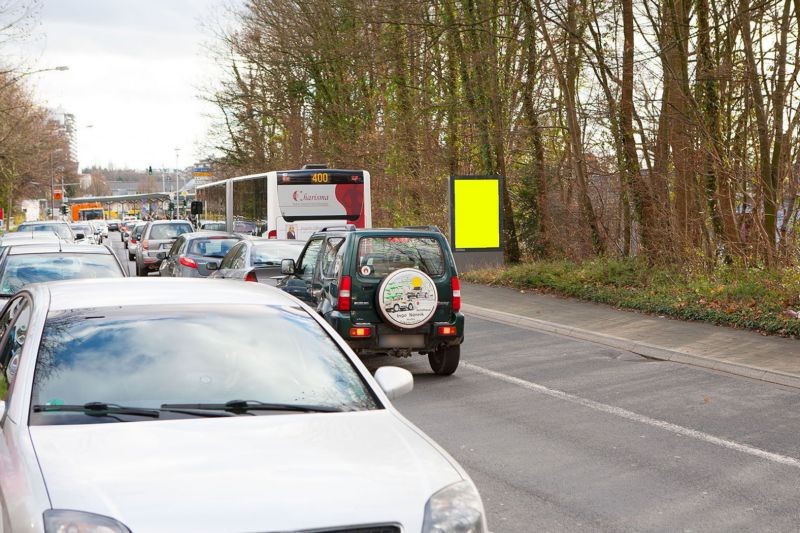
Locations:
column 636, row 417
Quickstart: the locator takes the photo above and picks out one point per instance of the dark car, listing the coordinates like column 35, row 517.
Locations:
column 256, row 260
column 34, row 263
column 157, row 238
column 386, row 291
column 191, row 252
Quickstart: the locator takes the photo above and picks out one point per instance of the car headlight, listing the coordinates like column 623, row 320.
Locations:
column 65, row 521
column 456, row 508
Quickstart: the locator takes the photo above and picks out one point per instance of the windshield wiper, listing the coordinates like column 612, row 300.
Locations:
column 99, row 409
column 244, row 406
column 110, row 409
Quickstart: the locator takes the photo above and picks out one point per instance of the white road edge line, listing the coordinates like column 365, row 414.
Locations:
column 635, row 417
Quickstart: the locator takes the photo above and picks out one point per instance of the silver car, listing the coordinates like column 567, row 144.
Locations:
column 58, row 227
column 198, row 405
column 157, row 238
column 132, row 242
column 191, row 253
column 23, row 265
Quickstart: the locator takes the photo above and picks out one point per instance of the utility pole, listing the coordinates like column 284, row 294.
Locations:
column 176, row 211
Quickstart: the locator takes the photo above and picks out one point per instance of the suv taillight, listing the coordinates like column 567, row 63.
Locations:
column 251, row 276
column 343, row 303
column 273, row 234
column 187, row 262
column 456, row 285
column 145, row 245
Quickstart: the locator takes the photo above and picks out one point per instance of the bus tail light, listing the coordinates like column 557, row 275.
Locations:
column 251, row 276
column 273, row 234
column 187, row 262
column 343, row 302
column 456, row 285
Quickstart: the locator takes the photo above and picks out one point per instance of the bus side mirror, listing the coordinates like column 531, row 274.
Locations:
column 197, row 207
column 287, row 267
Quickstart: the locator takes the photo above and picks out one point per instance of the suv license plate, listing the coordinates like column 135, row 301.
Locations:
column 401, row 341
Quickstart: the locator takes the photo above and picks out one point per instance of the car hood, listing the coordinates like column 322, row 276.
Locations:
column 280, row 472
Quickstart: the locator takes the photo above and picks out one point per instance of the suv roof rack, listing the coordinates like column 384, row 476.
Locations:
column 346, row 227
column 315, row 166
column 429, row 227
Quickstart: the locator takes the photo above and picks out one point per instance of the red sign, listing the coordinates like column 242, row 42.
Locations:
column 57, row 195
column 2, row 214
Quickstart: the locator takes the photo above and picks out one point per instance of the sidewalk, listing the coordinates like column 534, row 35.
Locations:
column 740, row 352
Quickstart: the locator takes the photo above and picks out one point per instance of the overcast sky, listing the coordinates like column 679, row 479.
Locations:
column 135, row 68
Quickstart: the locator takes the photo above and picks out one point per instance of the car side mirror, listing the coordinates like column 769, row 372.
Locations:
column 212, row 265
column 161, row 255
column 79, row 236
column 287, row 267
column 394, row 381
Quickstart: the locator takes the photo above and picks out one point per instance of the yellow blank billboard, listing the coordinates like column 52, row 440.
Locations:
column 475, row 213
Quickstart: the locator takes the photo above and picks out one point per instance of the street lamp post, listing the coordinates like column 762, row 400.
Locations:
column 12, row 81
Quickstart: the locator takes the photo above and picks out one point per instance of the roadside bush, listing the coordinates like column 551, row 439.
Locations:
column 740, row 297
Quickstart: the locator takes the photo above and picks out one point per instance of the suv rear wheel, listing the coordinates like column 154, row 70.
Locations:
column 444, row 361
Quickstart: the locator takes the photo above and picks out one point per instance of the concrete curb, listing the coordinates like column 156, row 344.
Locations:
column 639, row 348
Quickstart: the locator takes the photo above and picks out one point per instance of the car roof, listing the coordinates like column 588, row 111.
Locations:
column 107, row 292
column 261, row 240
column 41, row 222
column 39, row 236
column 209, row 233
column 155, row 222
column 51, row 247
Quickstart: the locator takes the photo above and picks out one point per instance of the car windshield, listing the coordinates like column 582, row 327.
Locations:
column 211, row 246
column 169, row 231
column 273, row 252
column 62, row 230
column 150, row 356
column 137, row 230
column 379, row 256
column 23, row 269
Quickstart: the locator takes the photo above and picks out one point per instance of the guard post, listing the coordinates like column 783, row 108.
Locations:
column 476, row 221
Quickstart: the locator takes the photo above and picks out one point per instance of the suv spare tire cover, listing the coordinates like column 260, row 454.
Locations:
column 407, row 298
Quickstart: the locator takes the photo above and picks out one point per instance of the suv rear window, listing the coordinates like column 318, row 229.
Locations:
column 169, row 231
column 379, row 256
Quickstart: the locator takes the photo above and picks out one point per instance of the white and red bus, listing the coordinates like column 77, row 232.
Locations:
column 289, row 204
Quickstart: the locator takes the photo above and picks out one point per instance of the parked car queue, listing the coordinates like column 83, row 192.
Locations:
column 249, row 368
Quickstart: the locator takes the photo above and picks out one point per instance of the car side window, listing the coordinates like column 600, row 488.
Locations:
column 309, row 259
column 176, row 246
column 230, row 256
column 15, row 322
column 240, row 259
column 330, row 254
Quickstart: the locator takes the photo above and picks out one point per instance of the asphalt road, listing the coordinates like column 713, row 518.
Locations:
column 566, row 435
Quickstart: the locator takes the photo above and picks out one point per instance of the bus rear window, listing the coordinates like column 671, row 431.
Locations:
column 379, row 256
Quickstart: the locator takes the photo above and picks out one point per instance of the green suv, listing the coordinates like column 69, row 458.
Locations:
column 385, row 291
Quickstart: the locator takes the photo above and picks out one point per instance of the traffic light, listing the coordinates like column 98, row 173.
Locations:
column 150, row 170
column 171, row 206
column 183, row 202
column 64, row 209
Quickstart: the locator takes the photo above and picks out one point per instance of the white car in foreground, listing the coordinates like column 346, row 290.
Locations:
column 199, row 405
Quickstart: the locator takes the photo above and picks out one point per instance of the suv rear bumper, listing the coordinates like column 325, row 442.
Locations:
column 386, row 339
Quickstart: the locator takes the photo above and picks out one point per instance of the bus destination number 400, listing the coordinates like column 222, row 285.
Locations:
column 320, row 178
